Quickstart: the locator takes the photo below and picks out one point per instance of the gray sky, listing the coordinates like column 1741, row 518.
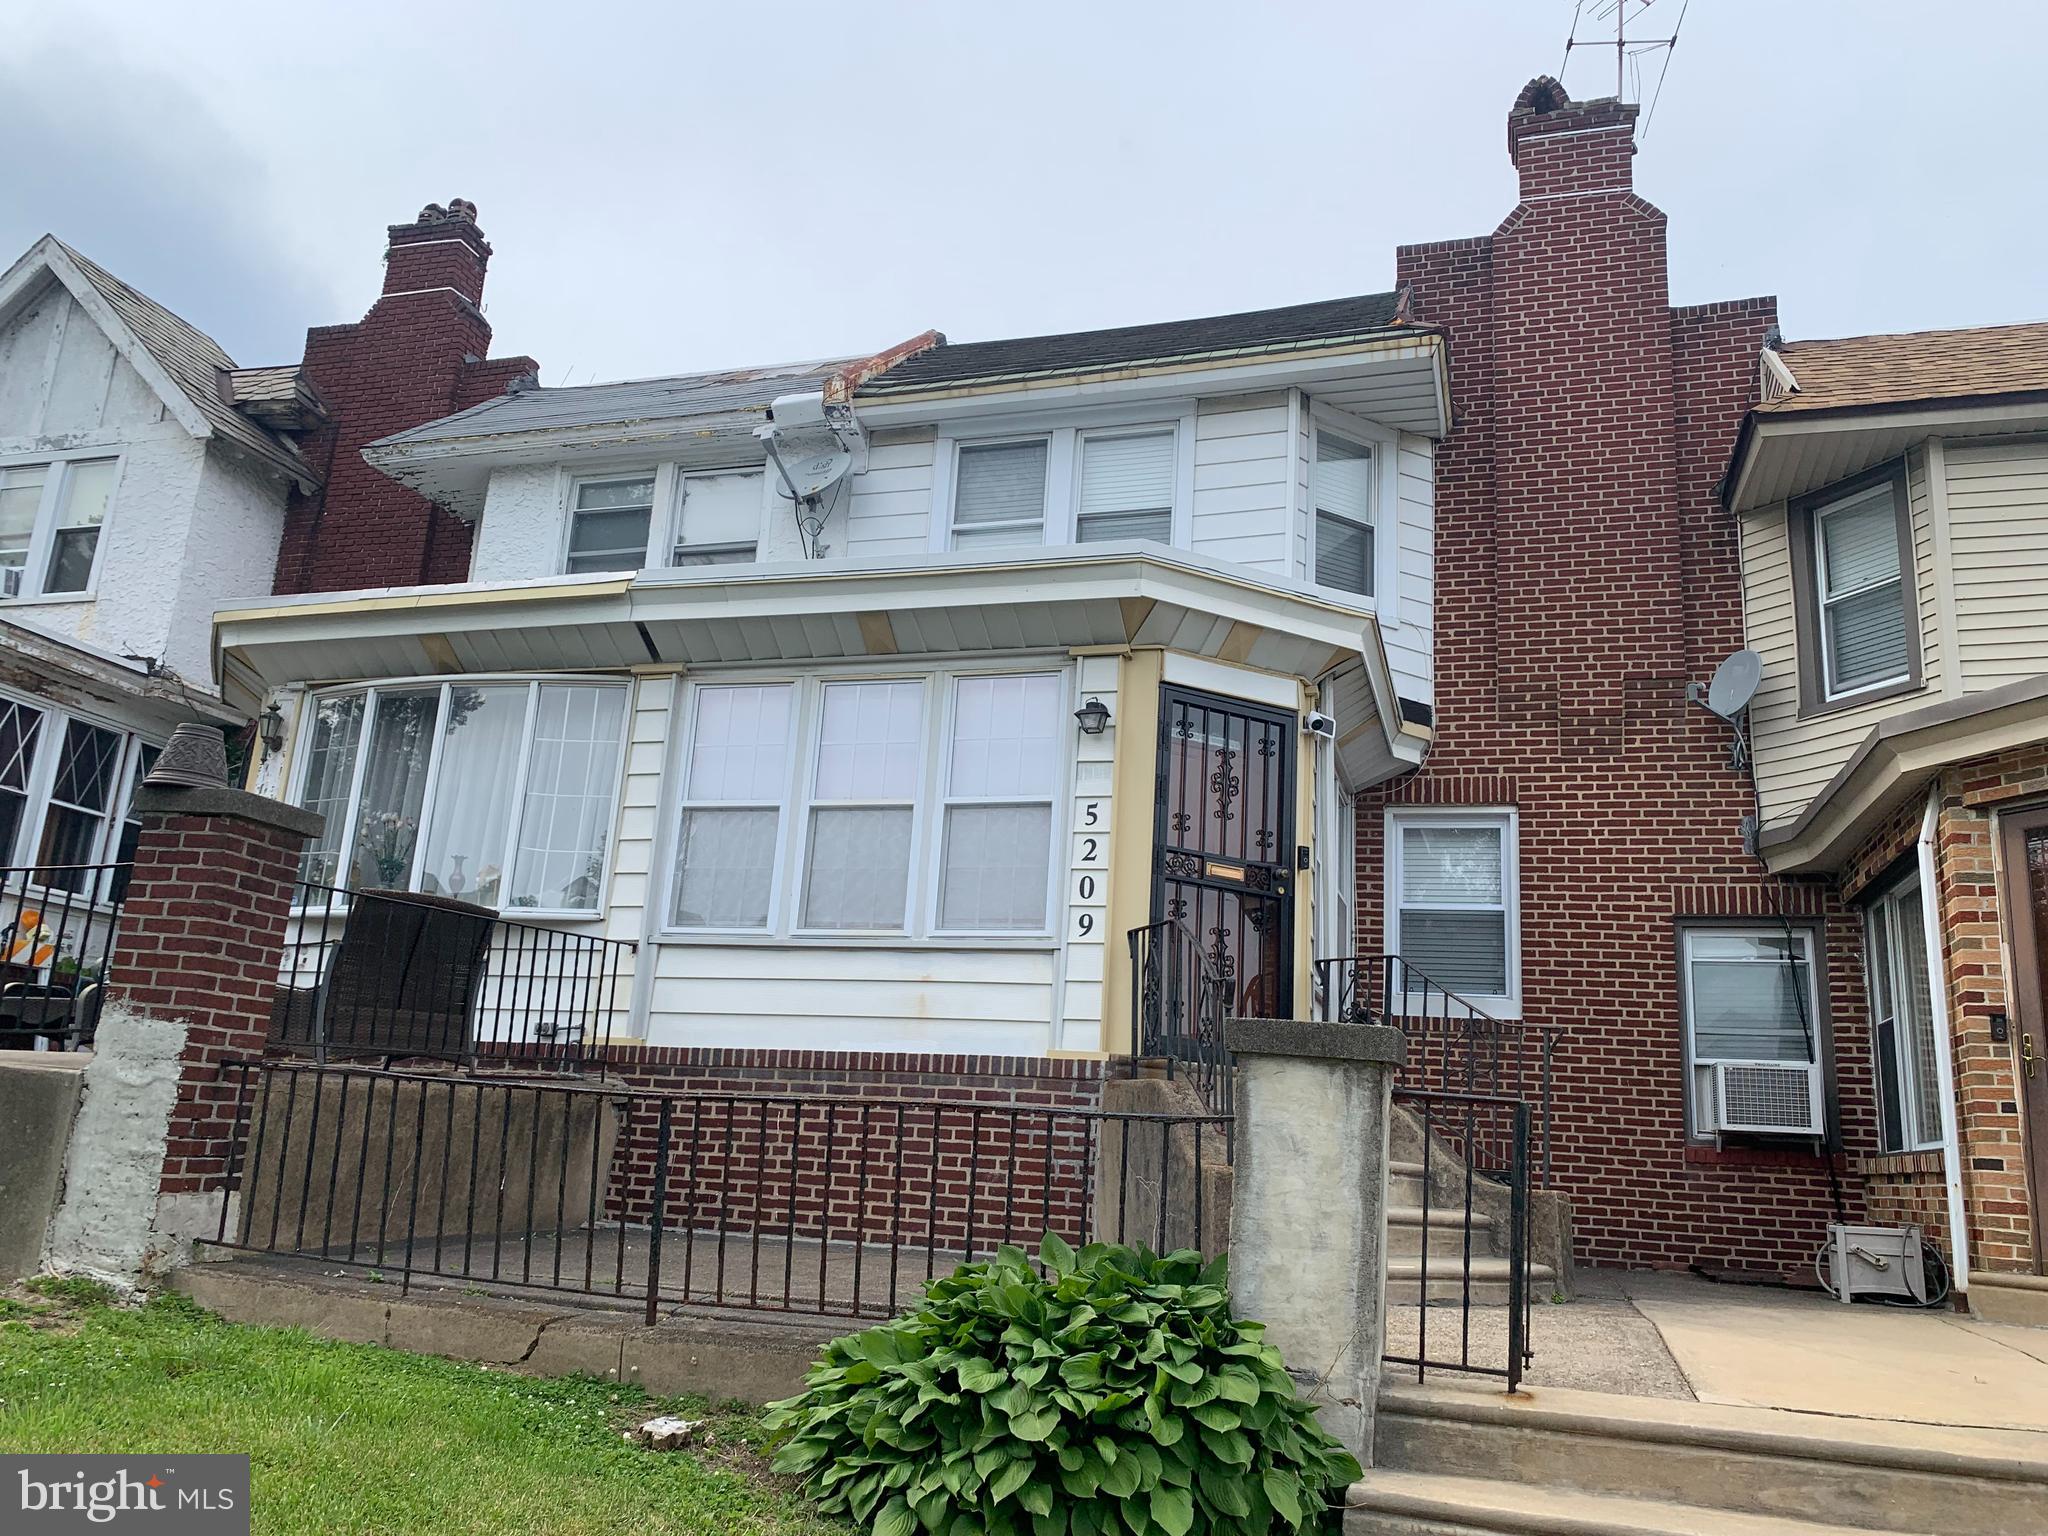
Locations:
column 682, row 186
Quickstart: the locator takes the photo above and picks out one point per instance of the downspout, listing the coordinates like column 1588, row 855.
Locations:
column 1944, row 1060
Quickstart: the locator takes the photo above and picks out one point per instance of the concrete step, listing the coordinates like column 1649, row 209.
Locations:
column 1446, row 1233
column 1404, row 1183
column 1385, row 1503
column 1747, row 1463
column 1447, row 1278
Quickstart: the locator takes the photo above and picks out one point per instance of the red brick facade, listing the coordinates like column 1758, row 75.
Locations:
column 1584, row 574
column 201, row 935
column 421, row 353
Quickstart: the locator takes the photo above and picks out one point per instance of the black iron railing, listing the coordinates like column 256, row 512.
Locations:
column 399, row 975
column 57, row 929
column 1454, row 1045
column 1459, row 1276
column 1179, row 997
column 655, row 1200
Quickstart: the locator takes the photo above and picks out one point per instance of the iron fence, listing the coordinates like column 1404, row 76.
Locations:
column 1458, row 1242
column 779, row 1203
column 1179, row 996
column 400, row 975
column 57, row 929
column 1453, row 1045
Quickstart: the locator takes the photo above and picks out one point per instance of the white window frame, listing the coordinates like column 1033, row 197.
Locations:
column 35, row 571
column 921, row 908
column 1824, row 600
column 1507, row 821
column 358, row 771
column 1062, row 436
column 942, row 745
column 42, row 778
column 918, row 805
column 661, row 516
column 666, row 524
column 1693, row 1061
column 783, row 798
column 1386, row 503
column 1913, row 1093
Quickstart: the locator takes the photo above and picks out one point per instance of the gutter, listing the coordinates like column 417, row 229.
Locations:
column 1944, row 1044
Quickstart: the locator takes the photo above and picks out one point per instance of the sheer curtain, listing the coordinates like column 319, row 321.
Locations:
column 473, row 792
column 394, row 786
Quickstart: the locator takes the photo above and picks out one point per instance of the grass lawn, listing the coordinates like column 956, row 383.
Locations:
column 348, row 1438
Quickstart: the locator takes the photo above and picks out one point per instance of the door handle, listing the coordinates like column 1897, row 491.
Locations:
column 2027, row 1051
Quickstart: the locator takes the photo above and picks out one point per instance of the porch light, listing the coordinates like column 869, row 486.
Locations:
column 1093, row 716
column 270, row 727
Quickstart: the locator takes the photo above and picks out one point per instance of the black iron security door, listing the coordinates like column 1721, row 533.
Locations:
column 1223, row 842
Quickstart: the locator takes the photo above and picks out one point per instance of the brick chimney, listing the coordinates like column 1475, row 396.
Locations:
column 421, row 352
column 1562, row 147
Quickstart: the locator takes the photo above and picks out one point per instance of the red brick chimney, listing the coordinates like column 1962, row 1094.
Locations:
column 422, row 352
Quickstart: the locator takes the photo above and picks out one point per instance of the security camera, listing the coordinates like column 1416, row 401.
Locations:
column 1320, row 724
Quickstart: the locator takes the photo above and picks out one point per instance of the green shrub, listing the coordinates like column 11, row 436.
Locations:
column 1114, row 1393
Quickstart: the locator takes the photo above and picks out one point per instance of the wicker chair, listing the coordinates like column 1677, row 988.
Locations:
column 402, row 981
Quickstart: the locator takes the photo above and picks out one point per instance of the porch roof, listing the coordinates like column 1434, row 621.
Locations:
column 1107, row 595
column 81, row 676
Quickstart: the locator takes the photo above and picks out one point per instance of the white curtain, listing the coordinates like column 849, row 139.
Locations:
column 472, row 808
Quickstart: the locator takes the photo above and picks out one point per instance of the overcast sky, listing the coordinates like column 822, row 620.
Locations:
column 679, row 186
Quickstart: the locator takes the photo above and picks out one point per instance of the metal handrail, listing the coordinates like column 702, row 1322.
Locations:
column 1179, row 996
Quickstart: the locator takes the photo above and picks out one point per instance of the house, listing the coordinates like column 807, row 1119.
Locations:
column 1892, row 498
column 143, row 479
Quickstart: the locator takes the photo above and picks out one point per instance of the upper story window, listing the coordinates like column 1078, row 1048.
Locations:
column 664, row 517
column 50, row 520
column 609, row 522
column 1342, row 488
column 1452, row 907
column 1853, row 556
column 500, row 793
column 1110, row 479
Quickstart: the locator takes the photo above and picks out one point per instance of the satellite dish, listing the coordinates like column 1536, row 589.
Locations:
column 810, row 469
column 1734, row 684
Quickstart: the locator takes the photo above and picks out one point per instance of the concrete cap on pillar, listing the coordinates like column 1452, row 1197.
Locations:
column 1317, row 1041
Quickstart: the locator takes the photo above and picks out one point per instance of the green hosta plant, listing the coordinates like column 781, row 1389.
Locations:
column 1113, row 1393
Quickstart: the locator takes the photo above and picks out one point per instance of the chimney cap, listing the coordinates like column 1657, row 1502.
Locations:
column 457, row 208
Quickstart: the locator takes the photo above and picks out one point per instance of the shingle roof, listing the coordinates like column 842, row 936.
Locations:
column 1914, row 366
column 732, row 396
column 193, row 359
column 1085, row 351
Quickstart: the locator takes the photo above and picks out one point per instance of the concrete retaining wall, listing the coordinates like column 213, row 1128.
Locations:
column 39, row 1094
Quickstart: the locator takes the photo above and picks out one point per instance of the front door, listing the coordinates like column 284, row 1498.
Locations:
column 2026, row 864
column 1223, row 846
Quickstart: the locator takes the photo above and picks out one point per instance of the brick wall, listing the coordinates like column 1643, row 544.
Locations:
column 1585, row 573
column 420, row 353
column 922, row 1150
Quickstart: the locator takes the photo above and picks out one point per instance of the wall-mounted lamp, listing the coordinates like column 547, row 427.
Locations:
column 1093, row 717
column 270, row 726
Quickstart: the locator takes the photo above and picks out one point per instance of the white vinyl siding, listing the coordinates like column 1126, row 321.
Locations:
column 999, row 494
column 718, row 517
column 1998, row 519
column 1126, row 487
column 1452, row 903
column 1243, row 463
column 1861, row 601
column 609, row 522
column 1902, row 1022
column 1342, row 482
column 1748, row 996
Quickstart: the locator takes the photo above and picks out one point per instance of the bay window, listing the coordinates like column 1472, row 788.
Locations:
column 1342, row 482
column 497, row 792
column 1452, row 910
column 1902, row 1019
column 830, row 806
column 50, row 520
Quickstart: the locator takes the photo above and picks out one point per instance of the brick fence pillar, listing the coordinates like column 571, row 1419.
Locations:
column 194, row 970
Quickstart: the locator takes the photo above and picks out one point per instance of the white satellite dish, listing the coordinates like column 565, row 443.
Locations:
column 1734, row 684
column 810, row 469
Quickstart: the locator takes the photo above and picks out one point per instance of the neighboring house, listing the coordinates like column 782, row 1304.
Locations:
column 143, row 478
column 1893, row 499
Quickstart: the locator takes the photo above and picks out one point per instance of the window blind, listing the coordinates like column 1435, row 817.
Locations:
column 1343, row 498
column 1000, row 498
column 1126, row 488
column 1343, row 554
column 1745, row 998
column 1453, row 917
column 1863, row 597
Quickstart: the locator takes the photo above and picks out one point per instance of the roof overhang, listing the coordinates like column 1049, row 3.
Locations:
column 1781, row 454
column 1110, row 595
column 1895, row 761
column 85, row 678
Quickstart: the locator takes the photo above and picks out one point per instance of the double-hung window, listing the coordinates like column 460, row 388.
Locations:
column 50, row 521
column 735, row 781
column 82, row 796
column 863, row 800
column 1902, row 1018
column 999, row 494
column 1002, row 767
column 609, row 521
column 718, row 517
column 1126, row 487
column 1452, row 909
column 1752, row 1030
column 1342, row 485
column 499, row 793
column 1852, row 555
column 65, row 787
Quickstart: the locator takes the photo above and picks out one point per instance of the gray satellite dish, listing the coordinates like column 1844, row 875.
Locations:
column 1734, row 684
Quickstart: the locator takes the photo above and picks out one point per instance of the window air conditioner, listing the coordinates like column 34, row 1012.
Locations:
column 1778, row 1098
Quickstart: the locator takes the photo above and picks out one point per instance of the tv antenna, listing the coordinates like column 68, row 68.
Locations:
column 1629, row 52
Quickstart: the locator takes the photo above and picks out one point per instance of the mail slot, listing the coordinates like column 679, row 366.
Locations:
column 1217, row 871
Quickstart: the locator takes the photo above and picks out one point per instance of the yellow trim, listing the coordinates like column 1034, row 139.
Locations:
column 1077, row 1055
column 1130, row 837
column 1098, row 650
column 1305, row 823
